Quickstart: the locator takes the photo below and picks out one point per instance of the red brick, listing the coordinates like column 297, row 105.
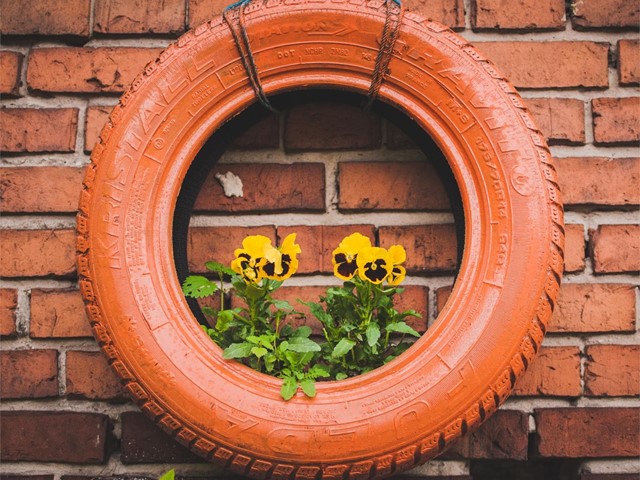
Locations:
column 40, row 189
column 561, row 120
column 37, row 253
column 589, row 14
column 397, row 139
column 219, row 243
column 97, row 116
column 609, row 476
column 615, row 248
column 144, row 442
column 61, row 437
column 8, row 305
column 38, row 130
column 550, row 64
column 581, row 181
column 90, row 377
column 264, row 134
column 29, row 374
column 201, row 11
column 27, row 477
column 442, row 295
column 447, row 12
column 330, row 126
column 58, row 314
column 503, row 436
column 141, row 16
column 391, row 186
column 554, row 372
column 318, row 243
column 527, row 15
column 595, row 308
column 588, row 432
column 10, row 70
column 45, row 17
column 616, row 120
column 629, row 62
column 266, row 187
column 574, row 248
column 108, row 69
column 430, row 248
column 612, row 370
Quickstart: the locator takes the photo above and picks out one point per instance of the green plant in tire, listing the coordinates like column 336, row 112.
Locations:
column 256, row 333
column 362, row 329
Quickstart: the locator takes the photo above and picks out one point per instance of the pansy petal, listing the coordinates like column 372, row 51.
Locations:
column 354, row 243
column 397, row 275
column 397, row 254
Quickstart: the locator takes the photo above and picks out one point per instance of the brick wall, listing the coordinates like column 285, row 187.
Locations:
column 62, row 65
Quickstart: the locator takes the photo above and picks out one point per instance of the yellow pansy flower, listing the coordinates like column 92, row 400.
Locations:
column 288, row 260
column 374, row 264
column 397, row 256
column 250, row 259
column 344, row 257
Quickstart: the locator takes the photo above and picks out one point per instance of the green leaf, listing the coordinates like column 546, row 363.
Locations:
column 401, row 327
column 343, row 347
column 308, row 386
column 219, row 268
column 284, row 346
column 302, row 345
column 208, row 311
column 302, row 332
column 373, row 334
column 237, row 350
column 170, row 475
column 269, row 362
column 410, row 313
column 341, row 376
column 224, row 319
column 282, row 305
column 259, row 351
column 318, row 312
column 319, row 371
column 289, row 387
column 254, row 292
column 197, row 286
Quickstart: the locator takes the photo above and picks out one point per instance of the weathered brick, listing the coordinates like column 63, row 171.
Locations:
column 397, row 139
column 528, row 15
column 554, row 372
column 615, row 248
column 503, row 436
column 616, row 120
column 90, row 377
column 8, row 305
column 29, row 374
column 58, row 314
column 219, row 243
column 201, row 11
column 390, row 186
column 38, row 130
column 141, row 16
column 561, row 120
column 37, row 253
column 97, row 116
column 265, row 187
column 45, row 17
column 609, row 476
column 108, row 69
column 330, row 126
column 579, row 432
column 594, row 308
column 583, row 308
column 612, row 370
column 262, row 135
column 574, row 248
column 26, row 477
column 629, row 62
column 318, row 243
column 40, row 189
column 447, row 12
column 430, row 248
column 550, row 64
column 581, row 181
column 10, row 70
column 144, row 442
column 589, row 14
column 61, row 437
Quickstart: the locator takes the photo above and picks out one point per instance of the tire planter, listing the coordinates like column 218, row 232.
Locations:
column 397, row 416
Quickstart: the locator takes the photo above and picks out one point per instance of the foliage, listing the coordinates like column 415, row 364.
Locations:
column 358, row 319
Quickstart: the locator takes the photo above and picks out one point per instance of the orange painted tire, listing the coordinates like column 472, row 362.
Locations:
column 397, row 416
